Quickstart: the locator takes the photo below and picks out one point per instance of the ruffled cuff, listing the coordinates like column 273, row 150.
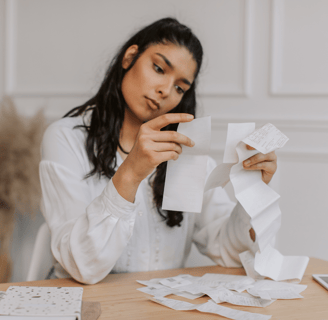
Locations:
column 116, row 203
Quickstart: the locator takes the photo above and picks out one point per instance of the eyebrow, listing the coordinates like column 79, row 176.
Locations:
column 168, row 62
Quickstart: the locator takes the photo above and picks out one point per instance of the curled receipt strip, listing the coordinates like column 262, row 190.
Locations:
column 260, row 202
column 185, row 185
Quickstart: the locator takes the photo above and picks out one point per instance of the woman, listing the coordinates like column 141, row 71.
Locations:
column 103, row 168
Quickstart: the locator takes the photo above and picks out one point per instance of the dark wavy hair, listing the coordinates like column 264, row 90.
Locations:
column 109, row 105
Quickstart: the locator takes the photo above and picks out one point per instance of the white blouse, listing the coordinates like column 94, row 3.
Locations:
column 95, row 231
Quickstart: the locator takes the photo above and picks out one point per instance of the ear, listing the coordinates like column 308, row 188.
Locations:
column 130, row 53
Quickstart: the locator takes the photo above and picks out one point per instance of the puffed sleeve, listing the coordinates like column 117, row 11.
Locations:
column 87, row 235
column 222, row 228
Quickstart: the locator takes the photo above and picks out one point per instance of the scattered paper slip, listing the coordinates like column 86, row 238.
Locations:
column 232, row 282
column 267, row 289
column 277, row 285
column 175, row 282
column 245, row 299
column 210, row 307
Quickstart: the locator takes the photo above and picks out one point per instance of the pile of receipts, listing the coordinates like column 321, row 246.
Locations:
column 221, row 288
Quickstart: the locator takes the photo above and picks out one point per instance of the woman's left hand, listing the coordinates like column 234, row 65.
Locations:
column 267, row 163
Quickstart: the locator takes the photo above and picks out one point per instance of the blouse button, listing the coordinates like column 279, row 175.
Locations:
column 140, row 213
column 157, row 229
column 156, row 260
column 157, row 250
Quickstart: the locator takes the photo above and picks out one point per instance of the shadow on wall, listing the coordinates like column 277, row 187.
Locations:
column 20, row 191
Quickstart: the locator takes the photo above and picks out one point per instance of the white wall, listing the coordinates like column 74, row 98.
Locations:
column 265, row 61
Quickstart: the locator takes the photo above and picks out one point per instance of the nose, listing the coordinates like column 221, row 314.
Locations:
column 165, row 87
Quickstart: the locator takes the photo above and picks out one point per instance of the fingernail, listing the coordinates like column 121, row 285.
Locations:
column 190, row 116
column 192, row 143
column 247, row 162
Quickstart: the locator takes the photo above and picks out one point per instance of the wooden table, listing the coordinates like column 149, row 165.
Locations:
column 120, row 300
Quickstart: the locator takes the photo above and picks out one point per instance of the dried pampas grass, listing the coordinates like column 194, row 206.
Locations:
column 20, row 191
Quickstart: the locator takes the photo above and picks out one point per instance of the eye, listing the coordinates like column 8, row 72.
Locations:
column 179, row 90
column 158, row 69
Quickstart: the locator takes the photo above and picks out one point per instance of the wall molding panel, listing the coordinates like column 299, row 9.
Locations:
column 277, row 87
column 10, row 86
column 211, row 90
column 218, row 90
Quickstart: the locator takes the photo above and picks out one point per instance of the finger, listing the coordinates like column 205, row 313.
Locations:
column 269, row 167
column 260, row 157
column 167, row 146
column 249, row 147
column 252, row 234
column 166, row 156
column 172, row 136
column 166, row 119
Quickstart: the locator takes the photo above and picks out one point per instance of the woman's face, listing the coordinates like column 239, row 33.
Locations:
column 157, row 81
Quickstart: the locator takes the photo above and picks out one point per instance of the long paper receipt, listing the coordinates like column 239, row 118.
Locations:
column 185, row 186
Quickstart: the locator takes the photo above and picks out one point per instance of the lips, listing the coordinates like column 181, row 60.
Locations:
column 153, row 103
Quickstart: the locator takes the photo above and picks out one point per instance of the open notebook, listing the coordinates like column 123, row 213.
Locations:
column 41, row 303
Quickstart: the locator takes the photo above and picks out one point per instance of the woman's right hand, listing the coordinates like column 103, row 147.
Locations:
column 151, row 148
